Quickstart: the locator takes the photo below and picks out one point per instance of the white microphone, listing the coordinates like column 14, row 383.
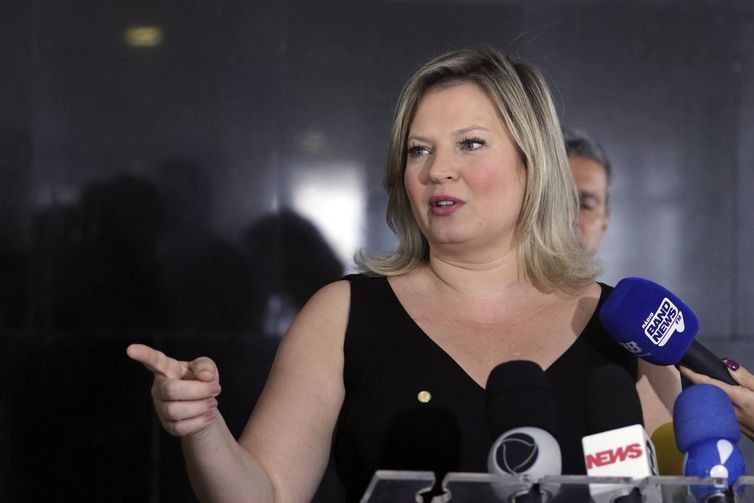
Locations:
column 623, row 452
column 525, row 450
column 620, row 447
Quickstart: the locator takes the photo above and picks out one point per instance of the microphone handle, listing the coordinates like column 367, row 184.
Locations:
column 703, row 361
column 634, row 496
column 724, row 497
column 531, row 496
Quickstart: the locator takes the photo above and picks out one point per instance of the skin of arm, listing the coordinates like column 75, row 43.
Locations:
column 290, row 430
column 742, row 395
column 283, row 451
column 221, row 470
column 184, row 400
column 658, row 387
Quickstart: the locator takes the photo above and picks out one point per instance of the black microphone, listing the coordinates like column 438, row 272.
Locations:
column 617, row 444
column 611, row 400
column 521, row 415
column 700, row 359
column 654, row 324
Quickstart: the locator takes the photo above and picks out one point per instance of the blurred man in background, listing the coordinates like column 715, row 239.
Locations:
column 591, row 172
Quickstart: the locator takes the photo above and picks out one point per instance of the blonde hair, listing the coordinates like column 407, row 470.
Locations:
column 551, row 256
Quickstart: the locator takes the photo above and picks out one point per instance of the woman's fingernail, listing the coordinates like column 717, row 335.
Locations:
column 731, row 364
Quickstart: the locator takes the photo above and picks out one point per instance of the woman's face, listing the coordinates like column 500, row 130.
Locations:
column 464, row 177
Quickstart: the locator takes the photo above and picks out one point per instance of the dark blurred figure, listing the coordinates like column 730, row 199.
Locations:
column 138, row 259
column 95, row 263
column 14, row 290
column 293, row 260
column 208, row 282
column 15, row 154
column 131, row 256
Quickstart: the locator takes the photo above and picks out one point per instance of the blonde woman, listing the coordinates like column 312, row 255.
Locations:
column 390, row 362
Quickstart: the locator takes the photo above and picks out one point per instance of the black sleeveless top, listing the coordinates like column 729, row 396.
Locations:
column 389, row 360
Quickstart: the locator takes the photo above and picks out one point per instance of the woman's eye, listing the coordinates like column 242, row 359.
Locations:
column 417, row 150
column 472, row 143
column 587, row 202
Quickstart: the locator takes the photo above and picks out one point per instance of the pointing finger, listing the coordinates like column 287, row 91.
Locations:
column 156, row 361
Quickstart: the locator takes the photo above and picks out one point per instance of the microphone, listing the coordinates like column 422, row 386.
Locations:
column 669, row 458
column 521, row 415
column 655, row 325
column 707, row 431
column 611, row 400
column 618, row 445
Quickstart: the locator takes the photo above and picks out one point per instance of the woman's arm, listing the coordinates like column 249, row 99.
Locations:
column 658, row 387
column 184, row 396
column 285, row 446
column 290, row 431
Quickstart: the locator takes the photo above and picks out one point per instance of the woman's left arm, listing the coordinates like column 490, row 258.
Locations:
column 658, row 387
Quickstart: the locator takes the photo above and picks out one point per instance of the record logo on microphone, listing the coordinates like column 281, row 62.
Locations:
column 663, row 323
column 518, row 452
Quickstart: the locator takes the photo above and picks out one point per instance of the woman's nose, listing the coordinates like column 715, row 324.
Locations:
column 442, row 167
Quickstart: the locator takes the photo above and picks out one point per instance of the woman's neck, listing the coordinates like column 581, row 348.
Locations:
column 479, row 278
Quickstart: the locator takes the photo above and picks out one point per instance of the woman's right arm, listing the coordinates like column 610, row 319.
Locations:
column 285, row 446
column 184, row 394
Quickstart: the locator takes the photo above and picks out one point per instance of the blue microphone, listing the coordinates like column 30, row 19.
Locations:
column 707, row 431
column 655, row 325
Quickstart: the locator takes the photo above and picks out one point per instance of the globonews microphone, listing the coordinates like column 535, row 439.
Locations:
column 617, row 445
column 521, row 416
column 707, row 431
column 655, row 325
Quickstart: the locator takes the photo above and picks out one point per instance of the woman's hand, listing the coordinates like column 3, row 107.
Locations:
column 742, row 396
column 184, row 393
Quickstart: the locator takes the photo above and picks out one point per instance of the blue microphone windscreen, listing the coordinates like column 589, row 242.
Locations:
column 703, row 412
column 649, row 321
column 518, row 393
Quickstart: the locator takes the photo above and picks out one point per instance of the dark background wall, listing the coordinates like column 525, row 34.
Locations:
column 193, row 194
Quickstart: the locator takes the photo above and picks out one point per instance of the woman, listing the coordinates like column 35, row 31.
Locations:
column 382, row 365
